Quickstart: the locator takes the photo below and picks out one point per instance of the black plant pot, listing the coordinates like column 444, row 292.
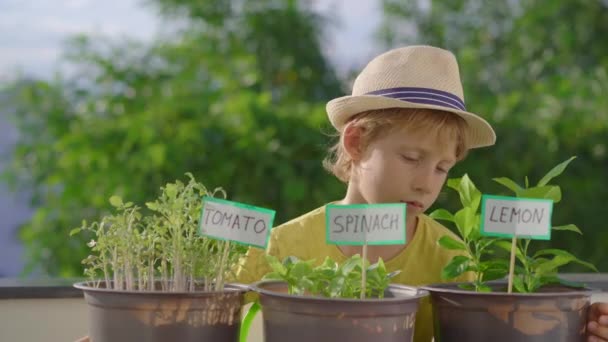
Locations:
column 155, row 316
column 554, row 314
column 306, row 318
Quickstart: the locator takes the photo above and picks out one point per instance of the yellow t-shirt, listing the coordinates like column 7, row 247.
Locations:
column 420, row 262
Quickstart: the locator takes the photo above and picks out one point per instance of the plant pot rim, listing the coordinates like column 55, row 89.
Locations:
column 417, row 293
column 452, row 288
column 228, row 287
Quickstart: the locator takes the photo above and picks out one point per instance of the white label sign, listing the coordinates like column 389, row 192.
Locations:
column 238, row 222
column 512, row 216
column 358, row 224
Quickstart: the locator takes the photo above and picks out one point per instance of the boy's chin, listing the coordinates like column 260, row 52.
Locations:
column 414, row 211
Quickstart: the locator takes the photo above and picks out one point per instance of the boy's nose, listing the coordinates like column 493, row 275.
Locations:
column 421, row 188
column 422, row 182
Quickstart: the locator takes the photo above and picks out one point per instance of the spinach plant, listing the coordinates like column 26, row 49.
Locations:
column 133, row 249
column 330, row 279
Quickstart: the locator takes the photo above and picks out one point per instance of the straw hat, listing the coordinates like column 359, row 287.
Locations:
column 411, row 77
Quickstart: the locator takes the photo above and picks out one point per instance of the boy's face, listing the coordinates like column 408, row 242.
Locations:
column 402, row 166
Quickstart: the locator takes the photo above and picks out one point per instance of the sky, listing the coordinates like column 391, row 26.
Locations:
column 32, row 33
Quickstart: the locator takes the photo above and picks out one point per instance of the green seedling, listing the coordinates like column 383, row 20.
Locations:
column 133, row 249
column 330, row 279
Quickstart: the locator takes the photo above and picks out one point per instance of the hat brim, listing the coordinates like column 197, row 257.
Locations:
column 340, row 110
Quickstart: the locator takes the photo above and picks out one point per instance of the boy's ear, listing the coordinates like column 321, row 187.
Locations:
column 352, row 141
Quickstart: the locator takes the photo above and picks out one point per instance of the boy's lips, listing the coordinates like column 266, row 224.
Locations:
column 414, row 204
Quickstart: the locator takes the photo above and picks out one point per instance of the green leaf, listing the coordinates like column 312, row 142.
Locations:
column 116, row 201
column 290, row 260
column 548, row 279
column 571, row 283
column 561, row 258
column 484, row 243
column 325, row 273
column 556, row 171
column 535, row 282
column 506, row 245
column 351, row 263
column 329, row 264
column 336, row 286
column 449, row 242
column 456, row 267
column 304, row 284
column 378, row 267
column 569, row 227
column 509, row 184
column 454, row 183
column 554, row 252
column 552, row 192
column 465, row 221
column 469, row 195
column 483, row 288
column 518, row 284
column 171, row 190
column 300, row 270
column 475, row 233
column 75, row 231
column 442, row 214
column 276, row 265
column 538, row 261
column 496, row 269
column 152, row 206
column 553, row 264
column 467, row 286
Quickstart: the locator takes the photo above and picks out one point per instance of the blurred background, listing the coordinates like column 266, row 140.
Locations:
column 121, row 97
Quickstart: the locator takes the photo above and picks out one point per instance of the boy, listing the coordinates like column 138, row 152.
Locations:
column 401, row 131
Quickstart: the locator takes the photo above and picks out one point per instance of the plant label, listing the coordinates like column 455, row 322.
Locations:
column 238, row 222
column 512, row 216
column 360, row 224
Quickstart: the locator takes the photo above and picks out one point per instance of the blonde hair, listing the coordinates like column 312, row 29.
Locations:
column 447, row 127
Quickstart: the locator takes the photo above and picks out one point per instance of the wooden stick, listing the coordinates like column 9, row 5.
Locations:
column 512, row 263
column 363, row 270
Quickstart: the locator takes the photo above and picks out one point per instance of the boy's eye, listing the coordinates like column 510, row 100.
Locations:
column 443, row 169
column 408, row 158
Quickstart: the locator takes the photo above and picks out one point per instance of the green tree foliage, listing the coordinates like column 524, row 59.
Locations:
column 538, row 71
column 236, row 96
